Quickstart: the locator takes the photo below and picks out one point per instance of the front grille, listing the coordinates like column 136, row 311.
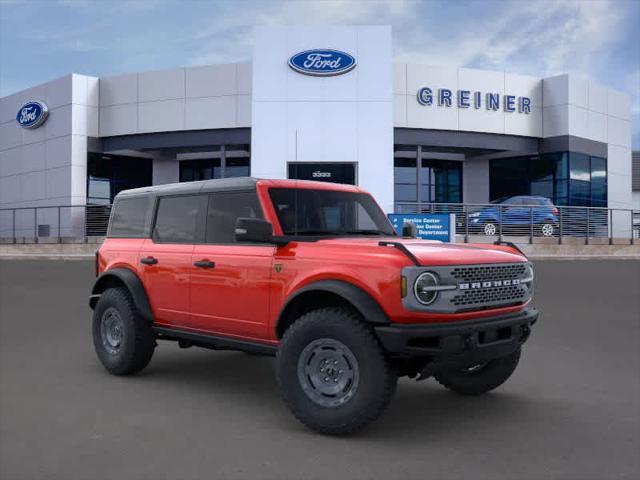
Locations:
column 494, row 295
column 480, row 273
column 465, row 288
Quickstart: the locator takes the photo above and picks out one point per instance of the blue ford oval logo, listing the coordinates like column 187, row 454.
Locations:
column 322, row 63
column 32, row 114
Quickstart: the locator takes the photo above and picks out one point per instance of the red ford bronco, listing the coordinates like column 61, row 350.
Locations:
column 314, row 274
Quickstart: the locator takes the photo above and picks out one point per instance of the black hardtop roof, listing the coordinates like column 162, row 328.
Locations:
column 202, row 186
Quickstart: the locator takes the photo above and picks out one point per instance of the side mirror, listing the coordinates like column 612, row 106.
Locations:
column 254, row 230
column 409, row 230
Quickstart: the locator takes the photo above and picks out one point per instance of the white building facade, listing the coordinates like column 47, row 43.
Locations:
column 409, row 133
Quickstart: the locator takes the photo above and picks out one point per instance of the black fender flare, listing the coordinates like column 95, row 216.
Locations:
column 369, row 308
column 131, row 281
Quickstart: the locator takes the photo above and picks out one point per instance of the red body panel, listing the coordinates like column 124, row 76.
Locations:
column 244, row 294
column 167, row 282
column 233, row 297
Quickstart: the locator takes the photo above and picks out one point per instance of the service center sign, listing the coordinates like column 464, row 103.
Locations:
column 430, row 226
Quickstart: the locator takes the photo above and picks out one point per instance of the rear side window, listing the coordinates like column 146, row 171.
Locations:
column 176, row 219
column 129, row 218
column 224, row 209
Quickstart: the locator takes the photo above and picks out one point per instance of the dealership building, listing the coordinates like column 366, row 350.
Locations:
column 320, row 103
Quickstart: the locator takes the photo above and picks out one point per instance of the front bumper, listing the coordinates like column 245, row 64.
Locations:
column 460, row 343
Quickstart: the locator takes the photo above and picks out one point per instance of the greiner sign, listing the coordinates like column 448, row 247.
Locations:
column 443, row 97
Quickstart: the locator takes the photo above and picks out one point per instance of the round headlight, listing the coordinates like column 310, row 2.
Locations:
column 423, row 288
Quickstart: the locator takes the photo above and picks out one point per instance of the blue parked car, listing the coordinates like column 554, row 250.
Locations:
column 518, row 213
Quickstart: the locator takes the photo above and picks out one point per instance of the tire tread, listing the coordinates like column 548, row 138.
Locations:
column 364, row 332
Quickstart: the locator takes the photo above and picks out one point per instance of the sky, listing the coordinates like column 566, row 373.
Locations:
column 44, row 39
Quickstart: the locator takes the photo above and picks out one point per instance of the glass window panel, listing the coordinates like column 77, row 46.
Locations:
column 580, row 167
column 580, row 193
column 559, row 162
column 405, row 170
column 598, row 168
column 426, row 175
column 326, row 212
column 542, row 189
column 223, row 212
column 237, row 167
column 427, row 193
column 441, row 193
column 455, row 176
column 561, row 189
column 455, row 195
column 122, row 173
column 176, row 219
column 99, row 188
column 201, row 169
column 405, row 193
column 542, row 169
column 129, row 217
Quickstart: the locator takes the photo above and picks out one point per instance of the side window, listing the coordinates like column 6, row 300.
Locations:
column 176, row 219
column 513, row 201
column 224, row 209
column 129, row 218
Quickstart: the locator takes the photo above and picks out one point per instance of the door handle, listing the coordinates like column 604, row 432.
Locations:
column 149, row 260
column 204, row 264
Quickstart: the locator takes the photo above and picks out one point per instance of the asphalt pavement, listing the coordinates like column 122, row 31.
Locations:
column 571, row 410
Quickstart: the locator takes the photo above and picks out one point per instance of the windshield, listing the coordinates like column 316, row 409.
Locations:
column 328, row 212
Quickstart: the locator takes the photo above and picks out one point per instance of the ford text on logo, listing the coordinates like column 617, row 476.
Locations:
column 32, row 114
column 443, row 97
column 322, row 63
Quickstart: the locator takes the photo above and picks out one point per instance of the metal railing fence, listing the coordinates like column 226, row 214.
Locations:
column 592, row 224
column 490, row 220
column 56, row 222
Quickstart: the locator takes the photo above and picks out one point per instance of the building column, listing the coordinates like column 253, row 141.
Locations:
column 165, row 169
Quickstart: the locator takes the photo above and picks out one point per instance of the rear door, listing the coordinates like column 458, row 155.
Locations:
column 166, row 257
column 230, row 281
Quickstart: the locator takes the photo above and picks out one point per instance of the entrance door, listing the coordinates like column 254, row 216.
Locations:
column 324, row 172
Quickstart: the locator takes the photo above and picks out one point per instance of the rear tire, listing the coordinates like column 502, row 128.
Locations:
column 332, row 372
column 123, row 340
column 482, row 378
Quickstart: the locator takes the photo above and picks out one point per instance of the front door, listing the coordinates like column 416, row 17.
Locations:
column 230, row 281
column 166, row 258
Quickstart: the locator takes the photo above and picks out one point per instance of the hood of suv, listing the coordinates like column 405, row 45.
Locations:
column 461, row 254
column 435, row 253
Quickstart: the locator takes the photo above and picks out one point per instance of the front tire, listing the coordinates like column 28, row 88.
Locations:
column 480, row 379
column 332, row 372
column 123, row 340
column 547, row 229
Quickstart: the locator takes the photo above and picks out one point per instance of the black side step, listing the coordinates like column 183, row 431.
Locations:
column 214, row 342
